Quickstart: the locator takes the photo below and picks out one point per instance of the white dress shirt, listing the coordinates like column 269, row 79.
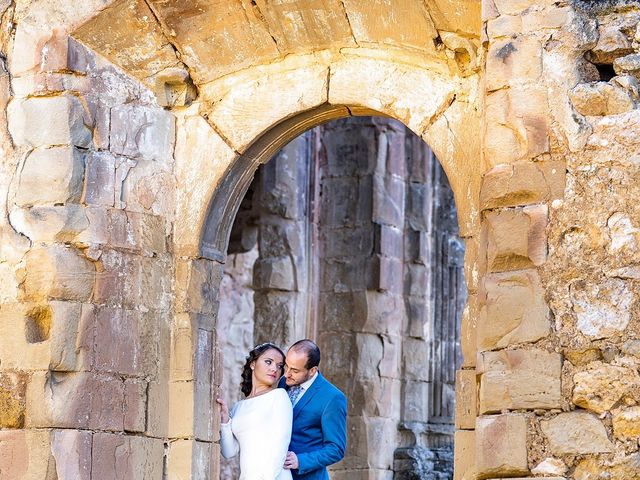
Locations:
column 305, row 386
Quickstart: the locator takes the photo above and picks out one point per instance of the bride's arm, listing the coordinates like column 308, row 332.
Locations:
column 228, row 444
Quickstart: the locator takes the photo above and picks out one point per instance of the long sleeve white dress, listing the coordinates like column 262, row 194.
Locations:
column 260, row 428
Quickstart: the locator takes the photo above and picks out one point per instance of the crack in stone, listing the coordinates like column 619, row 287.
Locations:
column 263, row 21
column 346, row 16
column 224, row 138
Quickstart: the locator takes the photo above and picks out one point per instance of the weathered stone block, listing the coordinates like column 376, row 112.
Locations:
column 501, row 446
column 71, row 450
column 416, row 358
column 58, row 272
column 145, row 132
column 61, row 400
column 466, row 399
column 576, row 433
column 148, row 187
column 465, row 455
column 601, row 98
column 135, row 405
column 181, row 409
column 276, row 273
column 197, row 286
column 602, row 386
column 520, row 379
column 13, row 389
column 385, row 274
column 26, row 455
column 516, row 238
column 124, row 456
column 44, row 121
column 626, row 423
column 469, row 332
column 519, row 57
column 513, row 310
column 100, row 179
column 50, row 224
column 118, row 348
column 388, row 201
column 51, row 176
column 602, row 310
column 513, row 185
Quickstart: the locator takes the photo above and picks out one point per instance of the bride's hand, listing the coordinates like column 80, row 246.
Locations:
column 224, row 410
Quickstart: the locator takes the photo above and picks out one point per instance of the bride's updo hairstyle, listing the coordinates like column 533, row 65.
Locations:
column 246, row 384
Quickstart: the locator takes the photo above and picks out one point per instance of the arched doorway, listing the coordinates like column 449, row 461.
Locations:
column 353, row 230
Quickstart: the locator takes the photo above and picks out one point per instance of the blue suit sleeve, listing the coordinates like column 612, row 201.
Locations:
column 334, row 438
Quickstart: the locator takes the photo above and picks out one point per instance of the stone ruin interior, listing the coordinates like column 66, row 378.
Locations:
column 443, row 193
column 349, row 235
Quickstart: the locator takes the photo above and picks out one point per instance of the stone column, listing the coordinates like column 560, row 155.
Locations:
column 281, row 272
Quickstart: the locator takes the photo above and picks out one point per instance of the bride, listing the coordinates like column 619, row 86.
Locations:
column 260, row 425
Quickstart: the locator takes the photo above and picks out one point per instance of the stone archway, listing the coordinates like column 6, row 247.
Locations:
column 110, row 240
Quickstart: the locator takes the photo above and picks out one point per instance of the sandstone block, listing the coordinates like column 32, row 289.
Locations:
column 384, row 274
column 576, row 433
column 612, row 44
column 123, row 456
column 464, row 455
column 26, row 455
column 57, row 336
column 520, row 379
column 157, row 420
column 58, row 272
column 71, row 450
column 197, row 286
column 602, row 386
column 118, row 348
column 381, row 397
column 388, row 201
column 61, row 400
column 181, row 409
column 516, row 238
column 517, row 124
column 466, row 399
column 43, row 121
column 383, row 81
column 550, row 466
column 513, row 311
column 627, row 64
column 625, row 468
column 513, row 185
column 601, row 98
column 50, row 224
column 626, row 423
column 13, row 389
column 469, row 325
column 142, row 132
column 135, row 405
column 100, row 179
column 602, row 310
column 513, row 58
column 414, row 405
column 501, row 446
column 274, row 273
column 51, row 176
column 416, row 356
column 189, row 459
column 148, row 187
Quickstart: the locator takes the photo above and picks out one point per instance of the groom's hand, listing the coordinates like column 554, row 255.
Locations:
column 291, row 462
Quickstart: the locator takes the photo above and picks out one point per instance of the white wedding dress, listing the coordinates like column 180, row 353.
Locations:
column 260, row 427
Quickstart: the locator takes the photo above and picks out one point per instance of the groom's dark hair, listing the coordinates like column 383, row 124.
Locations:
column 310, row 349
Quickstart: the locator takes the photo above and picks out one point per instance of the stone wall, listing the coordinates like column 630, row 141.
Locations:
column 131, row 129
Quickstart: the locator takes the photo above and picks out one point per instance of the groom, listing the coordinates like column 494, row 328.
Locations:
column 319, row 435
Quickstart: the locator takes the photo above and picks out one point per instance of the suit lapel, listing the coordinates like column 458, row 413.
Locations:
column 308, row 395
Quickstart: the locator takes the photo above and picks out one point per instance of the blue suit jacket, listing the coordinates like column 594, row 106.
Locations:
column 319, row 435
